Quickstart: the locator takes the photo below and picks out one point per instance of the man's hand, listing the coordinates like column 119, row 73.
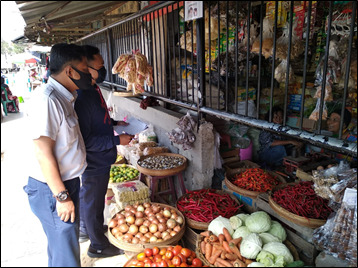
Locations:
column 297, row 144
column 122, row 123
column 125, row 139
column 66, row 210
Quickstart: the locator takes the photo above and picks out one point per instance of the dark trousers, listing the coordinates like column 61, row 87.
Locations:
column 63, row 248
column 92, row 200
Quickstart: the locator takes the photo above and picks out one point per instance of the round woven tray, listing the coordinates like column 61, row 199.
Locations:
column 114, row 184
column 140, row 247
column 204, row 225
column 201, row 256
column 242, row 191
column 307, row 222
column 162, row 172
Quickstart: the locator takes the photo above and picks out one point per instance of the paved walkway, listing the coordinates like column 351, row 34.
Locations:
column 23, row 241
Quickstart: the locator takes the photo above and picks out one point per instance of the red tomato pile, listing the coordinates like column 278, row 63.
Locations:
column 176, row 256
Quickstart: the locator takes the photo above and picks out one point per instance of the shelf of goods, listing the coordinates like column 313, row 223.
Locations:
column 120, row 240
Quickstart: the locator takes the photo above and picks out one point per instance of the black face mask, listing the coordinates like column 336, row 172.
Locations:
column 85, row 82
column 102, row 72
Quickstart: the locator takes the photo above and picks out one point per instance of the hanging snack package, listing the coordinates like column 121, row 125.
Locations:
column 315, row 114
column 328, row 96
column 297, row 46
column 267, row 39
column 280, row 72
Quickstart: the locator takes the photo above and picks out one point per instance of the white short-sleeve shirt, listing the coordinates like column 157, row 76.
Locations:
column 52, row 114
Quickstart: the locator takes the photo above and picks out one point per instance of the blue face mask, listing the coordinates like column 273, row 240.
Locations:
column 102, row 72
column 85, row 81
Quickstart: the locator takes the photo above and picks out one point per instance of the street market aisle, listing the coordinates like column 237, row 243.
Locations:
column 23, row 241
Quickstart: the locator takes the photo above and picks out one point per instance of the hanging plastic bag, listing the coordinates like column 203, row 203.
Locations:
column 297, row 46
column 267, row 39
column 280, row 73
column 315, row 114
column 328, row 96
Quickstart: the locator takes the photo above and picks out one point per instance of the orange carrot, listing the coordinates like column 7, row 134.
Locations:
column 223, row 263
column 202, row 247
column 231, row 256
column 239, row 263
column 236, row 240
column 235, row 250
column 227, row 247
column 221, row 238
column 248, row 261
column 214, row 257
column 213, row 238
column 206, row 239
column 227, row 235
column 223, row 255
column 218, row 246
column 208, row 249
column 206, row 233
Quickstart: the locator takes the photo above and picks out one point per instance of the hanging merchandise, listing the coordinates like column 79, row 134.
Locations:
column 282, row 8
column 267, row 39
column 184, row 135
column 280, row 73
column 134, row 68
column 328, row 96
column 315, row 114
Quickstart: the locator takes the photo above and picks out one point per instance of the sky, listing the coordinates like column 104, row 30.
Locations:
column 12, row 23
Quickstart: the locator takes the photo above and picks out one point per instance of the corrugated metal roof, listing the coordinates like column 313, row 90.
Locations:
column 51, row 22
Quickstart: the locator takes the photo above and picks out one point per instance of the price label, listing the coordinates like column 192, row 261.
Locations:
column 350, row 197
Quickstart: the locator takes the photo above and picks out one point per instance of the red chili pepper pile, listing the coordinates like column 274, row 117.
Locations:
column 255, row 179
column 302, row 200
column 205, row 205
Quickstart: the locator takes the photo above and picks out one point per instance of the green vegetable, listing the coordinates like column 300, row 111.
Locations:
column 258, row 222
column 242, row 231
column 256, row 264
column 235, row 222
column 267, row 237
column 278, row 231
column 216, row 226
column 243, row 218
column 296, row 264
column 251, row 246
column 279, row 249
column 266, row 258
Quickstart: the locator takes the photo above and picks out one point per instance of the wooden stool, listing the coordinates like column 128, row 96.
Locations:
column 170, row 178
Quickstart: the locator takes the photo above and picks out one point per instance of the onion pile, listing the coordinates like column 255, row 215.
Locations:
column 145, row 223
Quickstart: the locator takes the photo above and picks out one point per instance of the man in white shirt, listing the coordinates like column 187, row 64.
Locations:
column 53, row 185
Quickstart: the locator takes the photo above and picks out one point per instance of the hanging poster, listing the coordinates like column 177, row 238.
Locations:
column 193, row 10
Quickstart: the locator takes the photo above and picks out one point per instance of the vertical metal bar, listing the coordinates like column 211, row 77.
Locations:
column 165, row 43
column 273, row 61
column 346, row 79
column 227, row 58
column 288, row 62
column 305, row 64
column 161, row 19
column 155, row 53
column 109, row 55
column 258, row 95
column 169, row 54
column 139, row 30
column 247, row 59
column 186, row 64
column 200, row 29
column 219, row 51
column 236, row 52
column 174, row 56
column 192, row 63
column 325, row 66
column 211, row 96
column 179, row 49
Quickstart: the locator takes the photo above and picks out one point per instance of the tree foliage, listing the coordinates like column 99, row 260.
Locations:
column 11, row 48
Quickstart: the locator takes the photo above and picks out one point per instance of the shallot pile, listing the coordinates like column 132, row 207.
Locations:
column 145, row 223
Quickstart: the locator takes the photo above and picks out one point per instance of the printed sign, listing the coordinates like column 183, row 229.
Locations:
column 193, row 10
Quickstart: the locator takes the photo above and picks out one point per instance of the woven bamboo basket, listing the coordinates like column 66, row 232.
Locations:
column 201, row 256
column 114, row 184
column 204, row 225
column 140, row 247
column 307, row 222
column 162, row 172
column 242, row 191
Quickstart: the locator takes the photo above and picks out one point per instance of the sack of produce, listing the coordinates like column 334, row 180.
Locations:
column 130, row 191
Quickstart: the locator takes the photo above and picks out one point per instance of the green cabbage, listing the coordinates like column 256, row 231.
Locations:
column 256, row 264
column 216, row 226
column 235, row 222
column 242, row 231
column 258, row 222
column 266, row 258
column 267, row 237
column 251, row 246
column 279, row 249
column 278, row 231
column 243, row 217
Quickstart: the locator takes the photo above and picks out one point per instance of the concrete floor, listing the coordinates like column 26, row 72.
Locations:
column 23, row 241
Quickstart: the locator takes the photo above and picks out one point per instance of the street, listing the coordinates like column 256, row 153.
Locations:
column 23, row 241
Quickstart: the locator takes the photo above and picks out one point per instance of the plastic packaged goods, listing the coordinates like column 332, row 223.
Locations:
column 328, row 96
column 280, row 72
column 155, row 150
column 130, row 191
column 315, row 113
column 142, row 145
column 339, row 235
column 267, row 39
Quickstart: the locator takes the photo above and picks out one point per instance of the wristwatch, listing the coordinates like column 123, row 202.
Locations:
column 62, row 196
